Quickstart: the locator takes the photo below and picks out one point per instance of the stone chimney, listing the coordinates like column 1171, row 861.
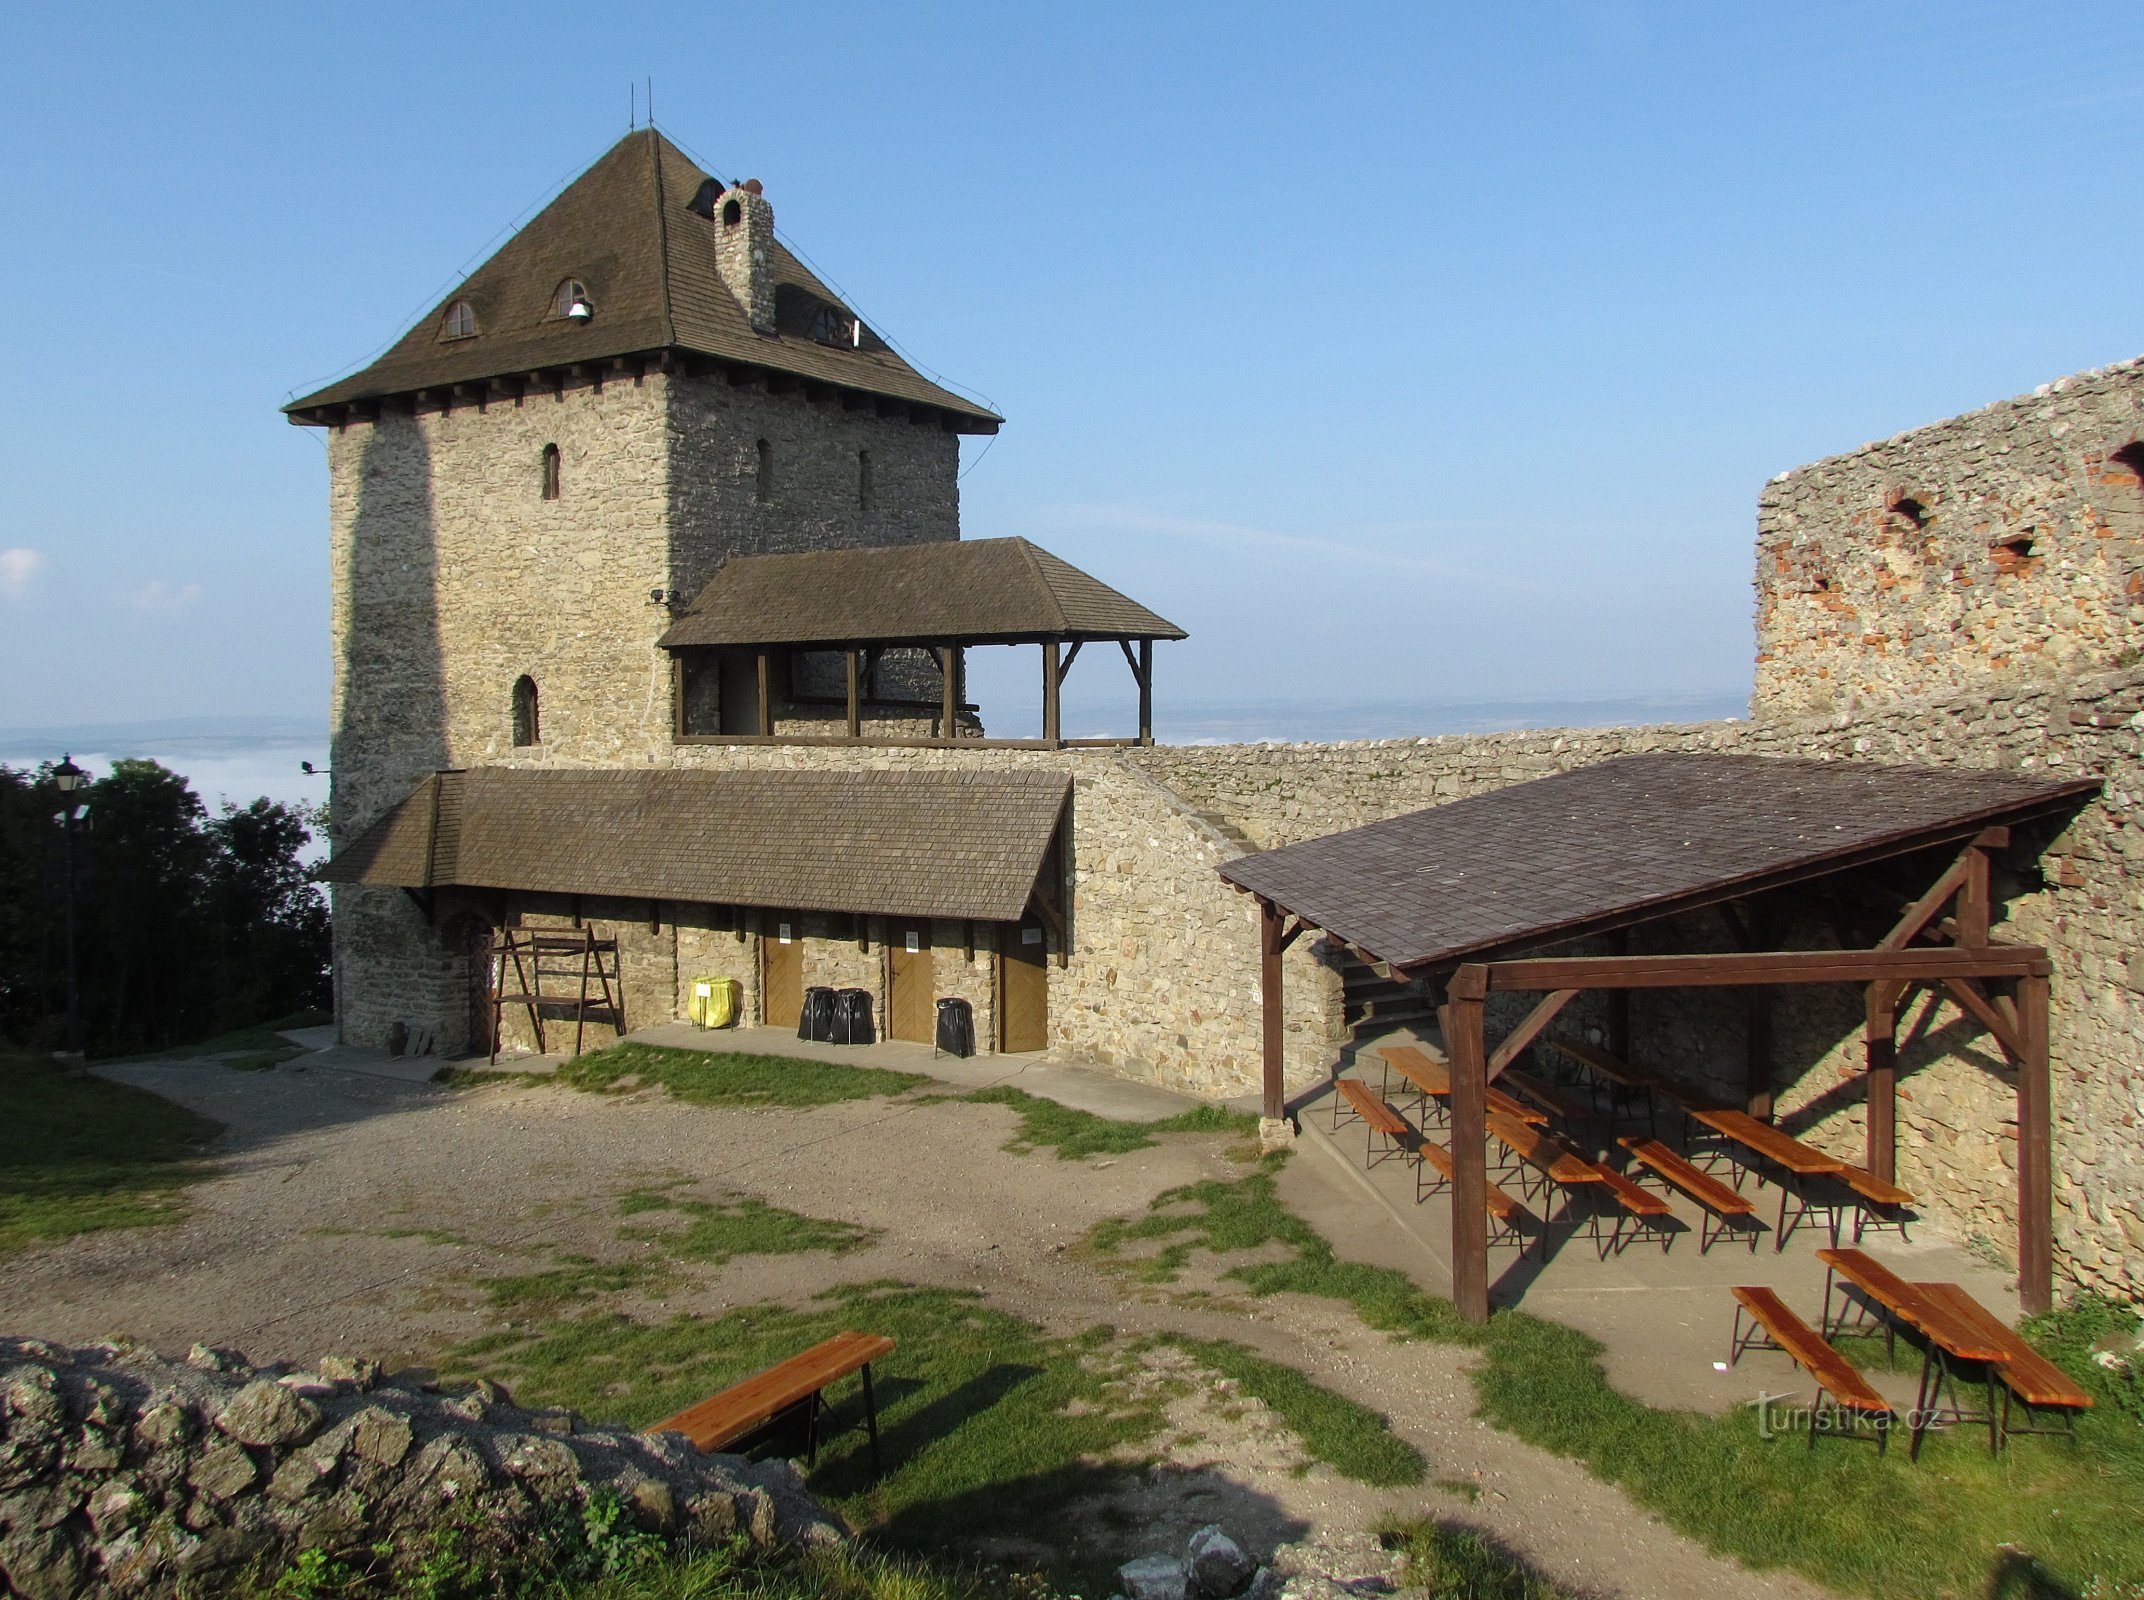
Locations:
column 744, row 250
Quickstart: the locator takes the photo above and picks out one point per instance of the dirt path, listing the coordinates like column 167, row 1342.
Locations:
column 355, row 1214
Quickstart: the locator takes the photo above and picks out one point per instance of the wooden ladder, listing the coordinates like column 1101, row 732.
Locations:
column 542, row 965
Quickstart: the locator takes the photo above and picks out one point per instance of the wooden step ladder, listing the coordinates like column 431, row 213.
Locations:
column 565, row 971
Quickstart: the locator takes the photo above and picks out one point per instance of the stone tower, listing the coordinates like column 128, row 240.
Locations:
column 640, row 384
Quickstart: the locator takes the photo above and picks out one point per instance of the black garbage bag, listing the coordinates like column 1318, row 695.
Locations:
column 852, row 1017
column 956, row 1028
column 816, row 1020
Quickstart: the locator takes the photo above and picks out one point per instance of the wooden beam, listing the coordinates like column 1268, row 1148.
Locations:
column 1765, row 967
column 1922, row 911
column 1064, row 667
column 1051, row 726
column 1880, row 1091
column 1757, row 1053
column 1294, row 933
column 2035, row 1153
column 1146, row 691
column 1273, row 1105
column 1470, row 1171
column 1525, row 1033
column 766, row 692
column 949, row 672
column 1982, row 1007
column 1975, row 898
column 854, row 664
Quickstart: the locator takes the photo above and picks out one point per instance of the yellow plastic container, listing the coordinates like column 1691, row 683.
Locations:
column 714, row 1002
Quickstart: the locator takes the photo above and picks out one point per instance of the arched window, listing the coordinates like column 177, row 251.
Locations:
column 550, row 472
column 864, row 485
column 571, row 300
column 732, row 213
column 763, row 486
column 527, row 730
column 2131, row 455
column 459, row 322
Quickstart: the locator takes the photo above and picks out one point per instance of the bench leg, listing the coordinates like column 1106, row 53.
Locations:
column 871, row 1420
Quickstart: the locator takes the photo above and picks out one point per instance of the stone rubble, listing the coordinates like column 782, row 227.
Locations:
column 1215, row 1567
column 124, row 1473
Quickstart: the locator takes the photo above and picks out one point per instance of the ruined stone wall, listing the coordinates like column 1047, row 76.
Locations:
column 2003, row 545
column 1956, row 1114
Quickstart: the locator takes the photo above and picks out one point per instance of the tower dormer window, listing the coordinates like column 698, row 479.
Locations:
column 550, row 472
column 834, row 326
column 571, row 301
column 459, row 322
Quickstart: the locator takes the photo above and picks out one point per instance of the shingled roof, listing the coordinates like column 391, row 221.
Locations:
column 973, row 590
column 626, row 229
column 1615, row 844
column 905, row 844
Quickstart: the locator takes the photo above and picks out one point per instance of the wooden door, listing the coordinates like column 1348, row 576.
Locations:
column 781, row 968
column 911, row 983
column 1023, row 987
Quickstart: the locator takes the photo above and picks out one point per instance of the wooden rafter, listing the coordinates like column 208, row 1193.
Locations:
column 1528, row 1030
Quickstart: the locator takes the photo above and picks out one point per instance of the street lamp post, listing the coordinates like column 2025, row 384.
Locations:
column 68, row 778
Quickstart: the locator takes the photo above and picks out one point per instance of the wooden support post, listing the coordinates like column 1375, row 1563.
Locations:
column 1274, row 1106
column 2035, row 1153
column 1146, row 691
column 1051, row 677
column 1619, row 1004
column 766, row 693
column 1757, row 1053
column 856, row 717
column 1880, row 1039
column 1974, row 908
column 1463, row 1043
column 949, row 688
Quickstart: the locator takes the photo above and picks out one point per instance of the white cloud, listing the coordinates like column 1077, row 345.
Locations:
column 17, row 567
column 167, row 599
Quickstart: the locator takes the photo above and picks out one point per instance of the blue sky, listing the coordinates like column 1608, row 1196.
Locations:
column 1402, row 354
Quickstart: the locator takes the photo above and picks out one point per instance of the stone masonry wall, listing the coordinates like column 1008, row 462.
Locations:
column 2003, row 545
column 1956, row 1122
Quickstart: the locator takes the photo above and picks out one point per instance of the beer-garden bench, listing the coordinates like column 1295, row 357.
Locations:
column 1723, row 1207
column 746, row 1414
column 1384, row 1122
column 2026, row 1376
column 1773, row 1326
column 1503, row 1209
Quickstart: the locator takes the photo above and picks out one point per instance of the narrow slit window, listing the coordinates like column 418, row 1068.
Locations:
column 527, row 729
column 864, row 485
column 763, row 484
column 550, row 472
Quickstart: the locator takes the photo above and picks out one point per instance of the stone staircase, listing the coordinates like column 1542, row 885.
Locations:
column 1373, row 1007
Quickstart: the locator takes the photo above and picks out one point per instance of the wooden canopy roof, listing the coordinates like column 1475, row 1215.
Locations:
column 970, row 591
column 1619, row 843
column 628, row 230
column 918, row 844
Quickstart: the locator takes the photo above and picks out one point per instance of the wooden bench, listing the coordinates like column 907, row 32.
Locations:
column 1384, row 1122
column 2026, row 1376
column 744, row 1414
column 1876, row 1192
column 1722, row 1205
column 1634, row 1204
column 1431, row 1078
column 1501, row 1206
column 1625, row 1082
column 1946, row 1339
column 1772, row 1326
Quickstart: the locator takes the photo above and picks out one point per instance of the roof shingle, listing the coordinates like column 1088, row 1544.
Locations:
column 972, row 590
column 915, row 844
column 626, row 230
column 1606, row 845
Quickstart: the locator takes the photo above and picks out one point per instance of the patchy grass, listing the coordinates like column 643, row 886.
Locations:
column 731, row 1078
column 79, row 1155
column 1455, row 1563
column 1075, row 1135
column 718, row 1232
column 252, row 1049
column 736, row 1572
column 1841, row 1514
column 989, row 1428
column 575, row 1280
column 1350, row 1438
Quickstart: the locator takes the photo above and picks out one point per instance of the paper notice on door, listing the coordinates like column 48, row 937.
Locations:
column 915, row 943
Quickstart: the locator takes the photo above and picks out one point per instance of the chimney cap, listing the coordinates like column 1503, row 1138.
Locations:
column 753, row 186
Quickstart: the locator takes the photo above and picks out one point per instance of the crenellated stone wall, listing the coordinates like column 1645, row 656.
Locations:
column 2006, row 545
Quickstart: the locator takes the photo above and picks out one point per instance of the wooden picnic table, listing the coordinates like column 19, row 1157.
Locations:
column 2026, row 1374
column 1778, row 1148
column 798, row 1384
column 1947, row 1336
column 1433, row 1079
column 1617, row 1071
column 1543, row 1151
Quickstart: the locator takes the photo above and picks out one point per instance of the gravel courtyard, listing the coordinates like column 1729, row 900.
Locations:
column 356, row 1215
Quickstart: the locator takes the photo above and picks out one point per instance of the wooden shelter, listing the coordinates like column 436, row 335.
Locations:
column 1478, row 897
column 941, row 597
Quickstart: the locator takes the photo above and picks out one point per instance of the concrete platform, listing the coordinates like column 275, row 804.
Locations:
column 1663, row 1316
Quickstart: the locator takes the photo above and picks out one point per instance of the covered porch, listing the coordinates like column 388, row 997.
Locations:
column 1683, row 873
